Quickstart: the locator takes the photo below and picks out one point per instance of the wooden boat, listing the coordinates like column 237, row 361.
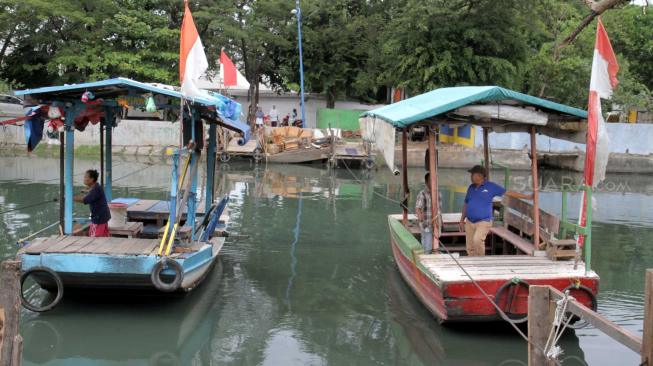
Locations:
column 299, row 156
column 162, row 246
column 526, row 246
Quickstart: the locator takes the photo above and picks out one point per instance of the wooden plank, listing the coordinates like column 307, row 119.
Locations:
column 600, row 322
column 539, row 325
column 141, row 206
column 32, row 249
column 100, row 245
column 9, row 311
column 548, row 222
column 513, row 220
column 647, row 338
column 77, row 245
column 122, row 246
column 68, row 240
column 514, row 239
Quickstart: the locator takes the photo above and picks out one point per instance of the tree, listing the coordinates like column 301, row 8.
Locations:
column 429, row 44
column 255, row 34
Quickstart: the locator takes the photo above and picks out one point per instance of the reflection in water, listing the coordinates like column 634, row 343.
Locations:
column 315, row 239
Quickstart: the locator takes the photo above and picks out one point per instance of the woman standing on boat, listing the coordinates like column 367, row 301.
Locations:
column 94, row 197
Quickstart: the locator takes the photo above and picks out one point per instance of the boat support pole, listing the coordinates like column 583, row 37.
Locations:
column 109, row 113
column 536, row 195
column 68, row 179
column 62, row 184
column 192, row 196
column 486, row 151
column 433, row 185
column 404, row 173
column 210, row 168
column 102, row 120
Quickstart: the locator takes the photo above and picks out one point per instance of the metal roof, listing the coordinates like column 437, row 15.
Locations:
column 113, row 88
column 440, row 101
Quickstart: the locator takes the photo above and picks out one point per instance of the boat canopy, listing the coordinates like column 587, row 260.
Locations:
column 224, row 111
column 500, row 109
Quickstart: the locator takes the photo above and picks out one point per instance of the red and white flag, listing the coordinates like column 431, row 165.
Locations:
column 602, row 83
column 192, row 59
column 228, row 72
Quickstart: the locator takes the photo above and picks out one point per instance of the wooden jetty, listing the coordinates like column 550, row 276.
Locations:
column 163, row 246
column 526, row 246
column 542, row 305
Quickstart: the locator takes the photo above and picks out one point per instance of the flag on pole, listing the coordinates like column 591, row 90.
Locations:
column 602, row 83
column 192, row 59
column 228, row 71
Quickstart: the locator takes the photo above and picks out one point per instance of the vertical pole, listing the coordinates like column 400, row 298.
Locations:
column 301, row 60
column 536, row 195
column 68, row 179
column 107, row 156
column 563, row 217
column 210, row 168
column 539, row 324
column 587, row 246
column 647, row 337
column 404, row 173
column 192, row 195
column 433, row 185
column 486, row 151
column 62, row 183
column 102, row 152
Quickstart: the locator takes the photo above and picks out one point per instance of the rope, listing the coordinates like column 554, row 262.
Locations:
column 29, row 206
column 38, row 232
column 552, row 350
column 501, row 313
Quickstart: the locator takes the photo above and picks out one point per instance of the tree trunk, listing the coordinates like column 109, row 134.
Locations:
column 331, row 97
column 5, row 45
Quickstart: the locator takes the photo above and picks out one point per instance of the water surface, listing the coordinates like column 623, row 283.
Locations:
column 308, row 278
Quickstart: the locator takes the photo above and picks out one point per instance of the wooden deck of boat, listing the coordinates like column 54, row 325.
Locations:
column 153, row 209
column 500, row 267
column 88, row 245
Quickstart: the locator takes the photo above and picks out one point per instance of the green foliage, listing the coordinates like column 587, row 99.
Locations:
column 352, row 48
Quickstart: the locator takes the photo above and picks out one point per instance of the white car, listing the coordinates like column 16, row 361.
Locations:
column 10, row 107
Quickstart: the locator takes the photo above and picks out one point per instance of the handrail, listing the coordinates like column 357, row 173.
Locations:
column 566, row 225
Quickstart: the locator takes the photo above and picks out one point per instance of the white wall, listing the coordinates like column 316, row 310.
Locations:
column 624, row 138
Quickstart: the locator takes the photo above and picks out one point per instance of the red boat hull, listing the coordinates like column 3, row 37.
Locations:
column 462, row 301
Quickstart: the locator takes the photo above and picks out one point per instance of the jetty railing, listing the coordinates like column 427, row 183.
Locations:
column 11, row 343
column 542, row 306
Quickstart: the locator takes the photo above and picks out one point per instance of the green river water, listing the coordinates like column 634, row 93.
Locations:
column 307, row 277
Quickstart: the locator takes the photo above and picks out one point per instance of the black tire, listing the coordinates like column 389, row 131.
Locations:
column 162, row 265
column 225, row 157
column 258, row 155
column 368, row 164
column 497, row 297
column 57, row 280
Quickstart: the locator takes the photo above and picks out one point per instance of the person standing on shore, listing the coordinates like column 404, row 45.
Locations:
column 274, row 116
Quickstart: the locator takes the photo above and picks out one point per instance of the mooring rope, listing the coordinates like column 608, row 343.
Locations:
column 501, row 313
column 29, row 206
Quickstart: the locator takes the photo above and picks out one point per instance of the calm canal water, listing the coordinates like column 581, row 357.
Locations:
column 307, row 277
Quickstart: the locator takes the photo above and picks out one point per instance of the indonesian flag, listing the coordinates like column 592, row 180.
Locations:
column 192, row 59
column 602, row 83
column 228, row 71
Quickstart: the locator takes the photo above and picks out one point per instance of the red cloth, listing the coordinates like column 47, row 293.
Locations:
column 228, row 70
column 99, row 230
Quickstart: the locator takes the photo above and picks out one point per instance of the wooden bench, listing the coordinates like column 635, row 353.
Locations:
column 518, row 227
column 129, row 229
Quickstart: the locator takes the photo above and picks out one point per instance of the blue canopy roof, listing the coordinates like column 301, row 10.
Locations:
column 443, row 100
column 227, row 110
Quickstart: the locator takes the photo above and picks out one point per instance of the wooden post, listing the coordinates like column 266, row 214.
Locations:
column 433, row 170
column 210, row 168
column 647, row 338
column 536, row 195
column 108, row 167
column 539, row 324
column 102, row 152
column 10, row 341
column 404, row 173
column 486, row 151
column 69, row 169
column 62, row 191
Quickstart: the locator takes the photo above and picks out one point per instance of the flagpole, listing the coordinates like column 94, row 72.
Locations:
column 298, row 13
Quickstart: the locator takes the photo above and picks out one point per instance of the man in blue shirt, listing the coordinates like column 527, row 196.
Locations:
column 476, row 219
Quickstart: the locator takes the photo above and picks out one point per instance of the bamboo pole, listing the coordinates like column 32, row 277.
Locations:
column 433, row 170
column 647, row 338
column 486, row 151
column 102, row 153
column 404, row 173
column 536, row 196
column 62, row 191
